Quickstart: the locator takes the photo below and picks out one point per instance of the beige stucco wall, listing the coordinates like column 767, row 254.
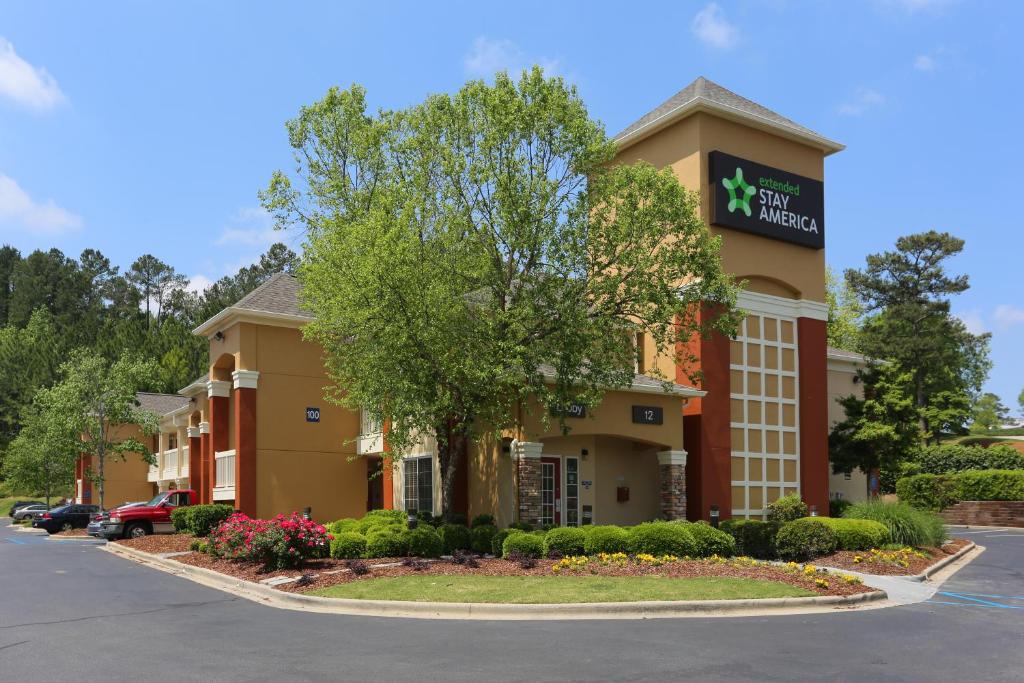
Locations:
column 124, row 480
column 841, row 383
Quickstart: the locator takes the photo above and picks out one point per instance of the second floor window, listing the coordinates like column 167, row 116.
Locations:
column 368, row 425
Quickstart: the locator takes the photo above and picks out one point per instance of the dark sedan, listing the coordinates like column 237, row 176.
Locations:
column 22, row 503
column 65, row 518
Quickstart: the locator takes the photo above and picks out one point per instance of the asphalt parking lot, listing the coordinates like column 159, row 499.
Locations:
column 70, row 611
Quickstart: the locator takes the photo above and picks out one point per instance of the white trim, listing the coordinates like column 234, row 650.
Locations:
column 223, row 492
column 850, row 367
column 699, row 104
column 245, row 379
column 769, row 304
column 526, row 449
column 180, row 419
column 224, row 454
column 204, row 428
column 218, row 388
column 231, row 316
column 672, row 458
column 197, row 388
column 193, row 432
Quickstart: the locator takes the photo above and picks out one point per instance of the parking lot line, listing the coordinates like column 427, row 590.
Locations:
column 979, row 601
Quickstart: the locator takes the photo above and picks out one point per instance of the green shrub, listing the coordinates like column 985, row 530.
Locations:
column 661, row 538
column 348, row 545
column 786, row 509
column 455, row 537
column 955, row 458
column 387, row 543
column 199, row 520
column 482, row 520
column 498, row 540
column 836, row 506
column 711, row 541
column 856, row 534
column 391, row 516
column 455, row 518
column 481, row 537
column 525, row 544
column 754, row 537
column 605, row 539
column 522, row 526
column 342, row 526
column 991, row 485
column 567, row 540
column 424, row 541
column 804, row 539
column 907, row 525
column 928, row 491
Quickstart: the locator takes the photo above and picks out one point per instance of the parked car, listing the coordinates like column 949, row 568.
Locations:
column 27, row 511
column 22, row 503
column 96, row 524
column 65, row 518
column 152, row 518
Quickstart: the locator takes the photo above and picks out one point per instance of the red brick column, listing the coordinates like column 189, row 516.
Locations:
column 218, row 391
column 813, row 407
column 245, row 440
column 672, row 470
column 195, row 459
column 204, row 485
column 527, row 456
column 82, row 471
column 387, row 470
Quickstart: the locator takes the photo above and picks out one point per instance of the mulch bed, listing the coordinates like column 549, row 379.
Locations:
column 325, row 573
column 887, row 563
column 72, row 532
column 159, row 543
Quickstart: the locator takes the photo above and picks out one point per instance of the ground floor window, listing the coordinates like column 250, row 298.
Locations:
column 572, row 492
column 419, row 484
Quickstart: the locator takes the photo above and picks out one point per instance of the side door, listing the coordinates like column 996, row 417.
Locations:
column 162, row 514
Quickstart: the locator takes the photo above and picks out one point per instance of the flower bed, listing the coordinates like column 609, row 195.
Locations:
column 903, row 562
column 159, row 543
column 327, row 572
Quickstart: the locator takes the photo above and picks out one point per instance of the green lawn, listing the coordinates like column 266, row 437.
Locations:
column 557, row 589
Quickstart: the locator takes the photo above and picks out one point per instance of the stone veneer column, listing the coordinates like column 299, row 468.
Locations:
column 527, row 457
column 245, row 439
column 204, row 486
column 672, row 470
column 218, row 392
column 195, row 459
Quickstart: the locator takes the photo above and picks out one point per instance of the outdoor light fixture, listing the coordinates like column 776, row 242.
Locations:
column 814, row 511
column 307, row 513
column 219, row 336
column 411, row 521
column 714, row 516
column 584, row 453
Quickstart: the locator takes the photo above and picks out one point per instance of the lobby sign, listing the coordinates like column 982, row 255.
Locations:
column 766, row 201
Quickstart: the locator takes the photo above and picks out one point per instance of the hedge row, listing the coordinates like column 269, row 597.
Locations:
column 956, row 458
column 939, row 491
column 199, row 520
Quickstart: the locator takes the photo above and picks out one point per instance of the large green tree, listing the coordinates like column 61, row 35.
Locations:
column 480, row 250
column 98, row 399
column 905, row 295
column 844, row 314
column 988, row 413
column 42, row 457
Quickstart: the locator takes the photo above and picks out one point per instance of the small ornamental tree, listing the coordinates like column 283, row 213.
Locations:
column 98, row 398
column 482, row 250
column 42, row 457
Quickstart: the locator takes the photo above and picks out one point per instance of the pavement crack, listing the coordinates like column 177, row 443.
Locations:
column 155, row 610
column 20, row 642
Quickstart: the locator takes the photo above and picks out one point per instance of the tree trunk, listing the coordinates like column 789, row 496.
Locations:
column 451, row 450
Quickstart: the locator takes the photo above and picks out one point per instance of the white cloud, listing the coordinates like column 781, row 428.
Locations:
column 251, row 227
column 924, row 63
column 863, row 100
column 711, row 28
column 973, row 320
column 28, row 85
column 18, row 210
column 487, row 57
column 1006, row 316
column 197, row 283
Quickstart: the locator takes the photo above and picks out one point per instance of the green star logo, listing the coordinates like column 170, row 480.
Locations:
column 742, row 201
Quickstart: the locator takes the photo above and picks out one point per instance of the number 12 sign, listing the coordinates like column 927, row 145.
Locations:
column 648, row 415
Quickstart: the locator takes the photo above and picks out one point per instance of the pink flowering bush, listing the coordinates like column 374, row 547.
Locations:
column 276, row 543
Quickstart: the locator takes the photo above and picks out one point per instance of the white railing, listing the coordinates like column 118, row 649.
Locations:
column 224, row 482
column 183, row 465
column 370, row 443
column 154, row 473
column 171, row 464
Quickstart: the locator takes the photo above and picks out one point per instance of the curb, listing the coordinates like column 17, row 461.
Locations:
column 93, row 539
column 490, row 611
column 943, row 563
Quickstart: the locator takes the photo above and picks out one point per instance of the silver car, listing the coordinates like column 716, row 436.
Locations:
column 29, row 511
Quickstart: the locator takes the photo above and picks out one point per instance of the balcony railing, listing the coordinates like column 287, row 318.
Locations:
column 153, row 474
column 183, row 465
column 170, row 464
column 370, row 443
column 224, row 483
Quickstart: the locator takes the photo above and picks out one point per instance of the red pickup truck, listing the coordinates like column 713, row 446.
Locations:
column 152, row 518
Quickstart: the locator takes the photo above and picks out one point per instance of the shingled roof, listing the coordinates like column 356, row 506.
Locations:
column 161, row 404
column 279, row 294
column 715, row 97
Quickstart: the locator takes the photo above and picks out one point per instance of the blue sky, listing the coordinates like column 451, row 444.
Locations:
column 138, row 127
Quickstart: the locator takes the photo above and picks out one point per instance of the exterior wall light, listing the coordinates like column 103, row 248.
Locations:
column 814, row 511
column 412, row 521
column 307, row 513
column 219, row 336
column 714, row 516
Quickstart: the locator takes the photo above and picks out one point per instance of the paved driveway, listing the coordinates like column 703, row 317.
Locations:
column 71, row 612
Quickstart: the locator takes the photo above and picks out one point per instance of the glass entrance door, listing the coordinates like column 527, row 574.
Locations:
column 550, row 491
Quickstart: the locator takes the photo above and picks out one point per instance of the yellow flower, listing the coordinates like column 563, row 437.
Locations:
column 810, row 570
column 821, row 582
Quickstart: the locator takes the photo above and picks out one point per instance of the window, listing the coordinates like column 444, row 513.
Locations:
column 367, row 425
column 419, row 484
column 572, row 492
column 172, row 441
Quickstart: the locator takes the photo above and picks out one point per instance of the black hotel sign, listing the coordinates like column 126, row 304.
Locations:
column 766, row 201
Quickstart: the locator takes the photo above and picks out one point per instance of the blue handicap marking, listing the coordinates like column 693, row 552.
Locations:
column 975, row 600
